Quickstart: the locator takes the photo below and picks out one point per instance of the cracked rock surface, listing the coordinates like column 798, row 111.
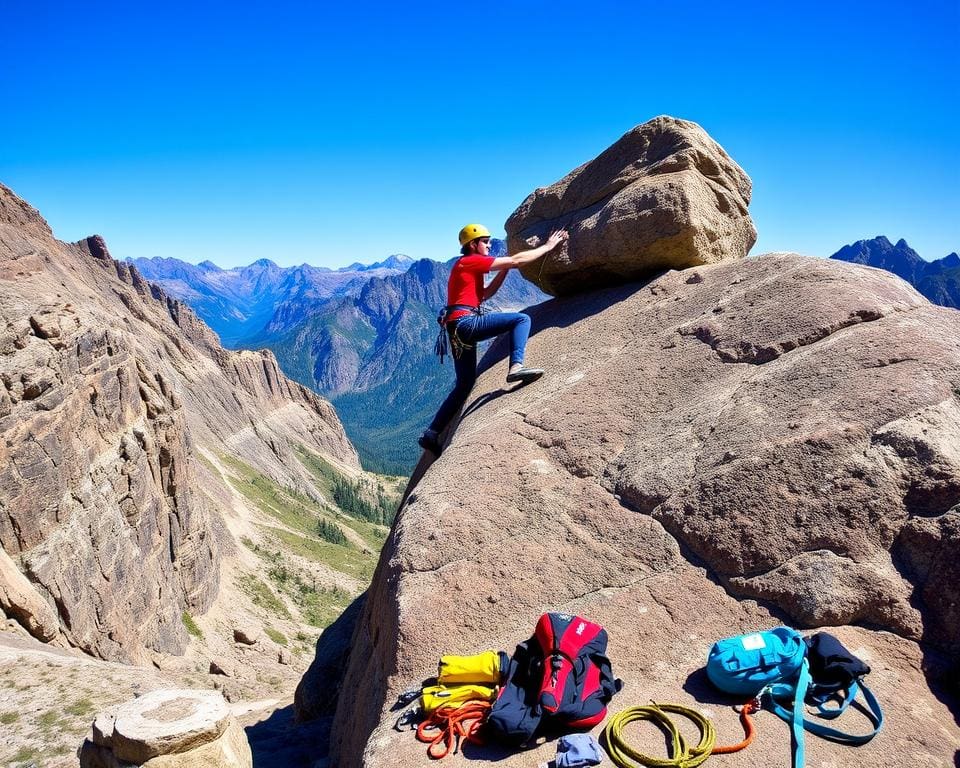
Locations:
column 718, row 450
column 107, row 389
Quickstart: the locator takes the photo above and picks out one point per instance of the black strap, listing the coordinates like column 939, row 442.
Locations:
column 441, row 347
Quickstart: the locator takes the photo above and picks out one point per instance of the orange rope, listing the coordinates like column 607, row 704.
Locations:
column 748, row 732
column 448, row 726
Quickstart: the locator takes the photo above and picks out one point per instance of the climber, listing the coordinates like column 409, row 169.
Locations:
column 465, row 325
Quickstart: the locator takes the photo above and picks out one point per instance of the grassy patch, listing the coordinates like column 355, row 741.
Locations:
column 7, row 718
column 191, row 626
column 358, row 498
column 25, row 754
column 48, row 719
column 318, row 605
column 321, row 469
column 348, row 561
column 276, row 635
column 80, row 707
column 288, row 506
column 263, row 596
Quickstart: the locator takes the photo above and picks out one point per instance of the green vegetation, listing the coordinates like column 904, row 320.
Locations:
column 348, row 561
column 291, row 508
column 48, row 719
column 318, row 605
column 331, row 532
column 355, row 497
column 25, row 754
column 312, row 530
column 6, row 718
column 350, row 497
column 276, row 635
column 296, row 511
column 80, row 707
column 191, row 626
column 263, row 596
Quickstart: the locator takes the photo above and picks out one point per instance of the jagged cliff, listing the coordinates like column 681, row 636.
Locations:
column 110, row 388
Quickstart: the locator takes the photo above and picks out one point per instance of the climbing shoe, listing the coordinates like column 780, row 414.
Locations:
column 526, row 375
column 429, row 441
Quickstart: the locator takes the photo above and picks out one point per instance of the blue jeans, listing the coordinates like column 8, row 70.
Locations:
column 470, row 330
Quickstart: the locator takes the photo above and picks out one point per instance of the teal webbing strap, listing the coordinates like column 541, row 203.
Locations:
column 849, row 694
column 874, row 713
column 803, row 680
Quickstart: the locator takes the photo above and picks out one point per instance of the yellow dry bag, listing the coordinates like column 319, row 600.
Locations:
column 483, row 667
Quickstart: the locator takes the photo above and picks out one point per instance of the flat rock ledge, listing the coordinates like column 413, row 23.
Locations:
column 168, row 729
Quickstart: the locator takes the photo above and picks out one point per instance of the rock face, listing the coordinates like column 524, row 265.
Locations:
column 665, row 196
column 168, row 729
column 723, row 449
column 109, row 387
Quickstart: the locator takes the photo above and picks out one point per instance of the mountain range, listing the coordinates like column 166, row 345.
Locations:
column 238, row 302
column 362, row 336
column 938, row 280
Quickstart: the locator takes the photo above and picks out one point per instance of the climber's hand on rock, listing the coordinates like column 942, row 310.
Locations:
column 557, row 237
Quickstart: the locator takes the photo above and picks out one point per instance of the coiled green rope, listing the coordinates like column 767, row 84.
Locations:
column 680, row 754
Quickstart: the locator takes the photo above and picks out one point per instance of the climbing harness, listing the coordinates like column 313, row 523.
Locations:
column 448, row 727
column 456, row 345
column 681, row 755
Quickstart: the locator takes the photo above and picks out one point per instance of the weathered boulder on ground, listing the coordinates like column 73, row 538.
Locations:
column 664, row 196
column 168, row 729
column 719, row 450
column 247, row 632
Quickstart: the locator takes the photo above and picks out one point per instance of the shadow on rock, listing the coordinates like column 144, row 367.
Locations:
column 281, row 742
column 317, row 693
column 698, row 685
column 481, row 401
column 563, row 312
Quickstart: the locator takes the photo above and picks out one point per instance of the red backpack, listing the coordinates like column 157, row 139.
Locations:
column 560, row 677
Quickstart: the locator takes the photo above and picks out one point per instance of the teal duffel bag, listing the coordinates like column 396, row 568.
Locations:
column 775, row 662
column 746, row 664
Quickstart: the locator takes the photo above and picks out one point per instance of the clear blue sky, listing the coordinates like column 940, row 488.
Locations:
column 307, row 133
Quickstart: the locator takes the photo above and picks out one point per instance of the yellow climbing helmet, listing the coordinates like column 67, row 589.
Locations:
column 472, row 232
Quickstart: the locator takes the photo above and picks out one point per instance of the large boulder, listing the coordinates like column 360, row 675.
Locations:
column 665, row 196
column 168, row 729
column 724, row 449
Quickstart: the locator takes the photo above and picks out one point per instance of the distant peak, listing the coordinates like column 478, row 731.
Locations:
column 209, row 266
column 264, row 263
column 397, row 261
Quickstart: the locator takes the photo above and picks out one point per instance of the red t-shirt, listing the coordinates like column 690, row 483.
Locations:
column 466, row 283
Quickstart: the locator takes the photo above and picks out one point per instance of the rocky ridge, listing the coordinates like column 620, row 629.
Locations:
column 713, row 450
column 716, row 451
column 111, row 392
